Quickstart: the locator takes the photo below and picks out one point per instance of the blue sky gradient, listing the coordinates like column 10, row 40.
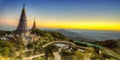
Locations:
column 66, row 10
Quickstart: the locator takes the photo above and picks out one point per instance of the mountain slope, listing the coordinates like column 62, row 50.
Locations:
column 73, row 35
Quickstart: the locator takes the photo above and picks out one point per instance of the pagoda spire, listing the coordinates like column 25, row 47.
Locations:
column 24, row 5
column 34, row 25
column 22, row 26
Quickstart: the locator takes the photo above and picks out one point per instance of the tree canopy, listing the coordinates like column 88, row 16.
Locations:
column 7, row 48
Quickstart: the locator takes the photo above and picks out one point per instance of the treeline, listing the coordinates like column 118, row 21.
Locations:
column 54, row 34
column 3, row 33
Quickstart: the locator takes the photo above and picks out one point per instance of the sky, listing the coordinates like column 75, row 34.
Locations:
column 64, row 14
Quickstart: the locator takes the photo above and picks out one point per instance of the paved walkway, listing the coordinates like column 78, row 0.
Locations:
column 56, row 54
column 64, row 42
column 30, row 58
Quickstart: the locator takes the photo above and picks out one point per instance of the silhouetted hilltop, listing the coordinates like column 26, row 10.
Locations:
column 54, row 34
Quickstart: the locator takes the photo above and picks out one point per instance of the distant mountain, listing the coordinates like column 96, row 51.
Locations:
column 73, row 35
column 99, row 35
column 88, row 35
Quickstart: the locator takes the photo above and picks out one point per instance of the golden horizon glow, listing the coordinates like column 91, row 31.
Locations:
column 75, row 25
column 79, row 23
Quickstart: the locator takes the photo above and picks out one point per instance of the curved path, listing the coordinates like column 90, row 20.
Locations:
column 31, row 57
column 63, row 42
column 56, row 54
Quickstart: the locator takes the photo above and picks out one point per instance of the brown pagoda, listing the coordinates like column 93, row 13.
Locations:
column 34, row 25
column 22, row 28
